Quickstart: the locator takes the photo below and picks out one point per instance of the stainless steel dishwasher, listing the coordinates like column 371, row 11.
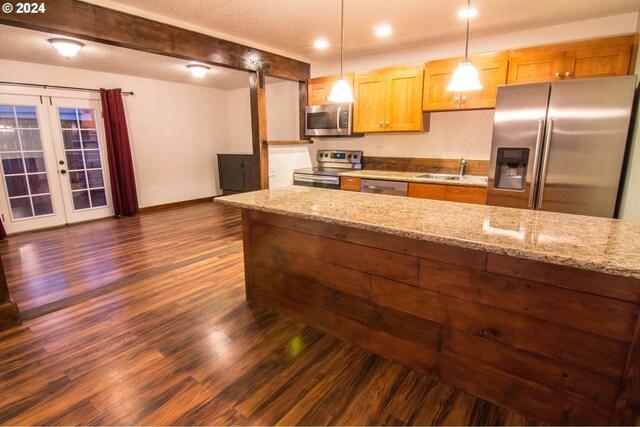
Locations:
column 393, row 188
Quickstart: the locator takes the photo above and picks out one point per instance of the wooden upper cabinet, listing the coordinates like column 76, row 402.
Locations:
column 605, row 57
column 492, row 71
column 388, row 100
column 437, row 75
column 370, row 94
column 535, row 65
column 404, row 100
column 598, row 61
column 319, row 88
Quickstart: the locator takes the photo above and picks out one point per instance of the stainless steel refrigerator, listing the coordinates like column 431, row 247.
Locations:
column 561, row 146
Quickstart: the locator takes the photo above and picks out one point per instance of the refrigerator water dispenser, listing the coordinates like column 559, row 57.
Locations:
column 511, row 169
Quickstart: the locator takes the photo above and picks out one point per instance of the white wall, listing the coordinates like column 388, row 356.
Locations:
column 239, row 122
column 175, row 129
column 283, row 124
column 459, row 134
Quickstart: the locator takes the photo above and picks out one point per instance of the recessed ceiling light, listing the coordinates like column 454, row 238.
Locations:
column 321, row 44
column 198, row 71
column 467, row 13
column 66, row 47
column 383, row 30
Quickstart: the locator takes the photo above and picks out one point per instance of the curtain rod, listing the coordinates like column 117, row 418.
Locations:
column 56, row 87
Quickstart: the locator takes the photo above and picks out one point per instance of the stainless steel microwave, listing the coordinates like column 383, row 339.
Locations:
column 328, row 120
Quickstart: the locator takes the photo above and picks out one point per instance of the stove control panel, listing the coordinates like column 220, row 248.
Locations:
column 335, row 156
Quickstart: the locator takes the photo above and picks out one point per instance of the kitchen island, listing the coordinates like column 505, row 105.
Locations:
column 534, row 311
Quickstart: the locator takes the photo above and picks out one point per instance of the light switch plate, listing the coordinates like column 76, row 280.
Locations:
column 272, row 171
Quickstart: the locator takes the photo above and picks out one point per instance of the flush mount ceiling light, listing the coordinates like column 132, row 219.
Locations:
column 66, row 47
column 341, row 91
column 467, row 13
column 198, row 71
column 383, row 31
column 321, row 44
column 465, row 77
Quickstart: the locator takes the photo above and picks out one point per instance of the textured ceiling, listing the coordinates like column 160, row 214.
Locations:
column 291, row 26
column 32, row 46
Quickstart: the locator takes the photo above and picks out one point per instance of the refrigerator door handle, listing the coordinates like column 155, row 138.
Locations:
column 536, row 163
column 545, row 161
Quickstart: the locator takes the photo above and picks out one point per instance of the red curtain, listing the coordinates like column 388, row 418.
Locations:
column 123, row 183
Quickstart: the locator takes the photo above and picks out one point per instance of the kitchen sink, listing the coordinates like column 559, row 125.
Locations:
column 454, row 177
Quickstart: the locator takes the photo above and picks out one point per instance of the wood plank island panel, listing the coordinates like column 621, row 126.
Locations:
column 483, row 332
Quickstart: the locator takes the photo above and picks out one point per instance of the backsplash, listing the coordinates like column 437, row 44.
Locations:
column 412, row 164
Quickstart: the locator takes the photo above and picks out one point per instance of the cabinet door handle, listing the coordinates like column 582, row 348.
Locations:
column 568, row 74
column 559, row 75
column 387, row 123
column 464, row 99
column 456, row 99
column 349, row 179
column 381, row 123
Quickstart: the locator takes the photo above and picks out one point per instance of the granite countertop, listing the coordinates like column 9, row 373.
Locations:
column 471, row 181
column 590, row 243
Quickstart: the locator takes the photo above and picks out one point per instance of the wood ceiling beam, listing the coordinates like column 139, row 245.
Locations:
column 90, row 22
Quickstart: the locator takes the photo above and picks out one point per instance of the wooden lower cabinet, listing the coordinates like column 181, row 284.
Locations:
column 427, row 191
column 554, row 343
column 350, row 183
column 452, row 193
column 458, row 193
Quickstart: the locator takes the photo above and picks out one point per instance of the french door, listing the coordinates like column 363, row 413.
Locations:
column 53, row 158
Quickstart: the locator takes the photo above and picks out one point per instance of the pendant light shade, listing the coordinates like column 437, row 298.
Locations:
column 341, row 91
column 465, row 77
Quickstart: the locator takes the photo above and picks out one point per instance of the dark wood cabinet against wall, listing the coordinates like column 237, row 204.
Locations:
column 235, row 173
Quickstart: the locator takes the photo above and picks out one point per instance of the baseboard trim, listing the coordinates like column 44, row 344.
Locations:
column 174, row 205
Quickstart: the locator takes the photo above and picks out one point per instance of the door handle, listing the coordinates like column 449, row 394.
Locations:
column 536, row 163
column 338, row 118
column 63, row 171
column 545, row 161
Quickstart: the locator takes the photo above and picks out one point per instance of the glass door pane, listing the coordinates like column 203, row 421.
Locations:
column 83, row 157
column 79, row 141
column 23, row 165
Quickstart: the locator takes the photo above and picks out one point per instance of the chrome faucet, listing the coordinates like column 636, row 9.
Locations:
column 463, row 163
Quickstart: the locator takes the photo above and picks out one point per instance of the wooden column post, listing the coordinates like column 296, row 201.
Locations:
column 259, row 129
column 302, row 96
column 9, row 314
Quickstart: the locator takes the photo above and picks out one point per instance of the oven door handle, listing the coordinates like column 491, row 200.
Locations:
column 324, row 180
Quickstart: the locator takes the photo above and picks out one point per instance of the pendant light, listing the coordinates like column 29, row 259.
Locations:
column 465, row 77
column 341, row 91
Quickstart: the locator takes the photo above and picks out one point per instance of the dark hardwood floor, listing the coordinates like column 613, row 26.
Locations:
column 143, row 321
